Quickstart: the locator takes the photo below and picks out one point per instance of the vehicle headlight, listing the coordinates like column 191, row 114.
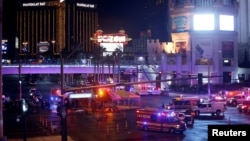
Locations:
column 177, row 126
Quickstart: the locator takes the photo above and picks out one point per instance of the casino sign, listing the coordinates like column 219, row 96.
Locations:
column 120, row 37
column 110, row 42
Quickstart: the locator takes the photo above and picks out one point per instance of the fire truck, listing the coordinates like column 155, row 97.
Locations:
column 159, row 120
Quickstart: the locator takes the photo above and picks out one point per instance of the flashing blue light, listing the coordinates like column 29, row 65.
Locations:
column 51, row 98
column 145, row 123
column 159, row 114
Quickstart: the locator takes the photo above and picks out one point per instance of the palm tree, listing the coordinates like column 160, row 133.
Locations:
column 117, row 56
column 97, row 60
column 109, row 60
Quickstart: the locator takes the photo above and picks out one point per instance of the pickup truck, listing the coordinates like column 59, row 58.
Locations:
column 215, row 108
column 238, row 99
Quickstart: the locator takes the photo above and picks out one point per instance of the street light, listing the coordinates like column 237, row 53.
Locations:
column 53, row 46
column 63, row 111
column 208, row 71
column 1, row 77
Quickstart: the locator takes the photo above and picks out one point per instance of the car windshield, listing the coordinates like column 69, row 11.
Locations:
column 201, row 105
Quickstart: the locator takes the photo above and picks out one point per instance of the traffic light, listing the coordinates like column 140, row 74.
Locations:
column 121, row 73
column 56, row 92
column 134, row 73
column 91, row 79
column 158, row 82
column 200, row 76
column 174, row 74
column 227, row 76
column 160, row 74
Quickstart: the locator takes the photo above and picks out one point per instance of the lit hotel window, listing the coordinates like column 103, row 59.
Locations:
column 204, row 22
column 226, row 62
column 227, row 22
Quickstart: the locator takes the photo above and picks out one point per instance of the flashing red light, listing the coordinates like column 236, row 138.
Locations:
column 56, row 92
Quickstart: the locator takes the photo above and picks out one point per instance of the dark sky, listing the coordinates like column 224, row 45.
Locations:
column 117, row 14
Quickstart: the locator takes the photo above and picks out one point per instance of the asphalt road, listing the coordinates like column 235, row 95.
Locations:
column 118, row 126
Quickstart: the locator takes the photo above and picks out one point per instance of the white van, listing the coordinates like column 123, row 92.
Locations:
column 216, row 108
column 145, row 89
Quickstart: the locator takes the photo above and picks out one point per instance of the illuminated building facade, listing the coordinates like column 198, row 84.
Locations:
column 55, row 25
column 204, row 40
column 137, row 48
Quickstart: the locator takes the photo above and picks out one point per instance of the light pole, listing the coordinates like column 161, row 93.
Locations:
column 53, row 46
column 20, row 81
column 63, row 110
column 2, row 138
column 208, row 77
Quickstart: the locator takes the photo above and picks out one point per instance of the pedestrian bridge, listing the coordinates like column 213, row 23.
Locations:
column 56, row 69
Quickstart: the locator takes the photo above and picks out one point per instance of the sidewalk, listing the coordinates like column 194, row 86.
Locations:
column 174, row 94
column 43, row 138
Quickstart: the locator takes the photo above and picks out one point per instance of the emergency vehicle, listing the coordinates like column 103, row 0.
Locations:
column 159, row 120
column 182, row 103
column 145, row 89
column 186, row 105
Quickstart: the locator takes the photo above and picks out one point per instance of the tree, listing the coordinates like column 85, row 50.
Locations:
column 109, row 60
column 98, row 59
column 117, row 57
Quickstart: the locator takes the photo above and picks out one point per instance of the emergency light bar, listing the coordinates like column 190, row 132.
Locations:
column 81, row 95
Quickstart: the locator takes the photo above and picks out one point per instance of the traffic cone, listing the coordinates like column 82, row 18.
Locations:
column 46, row 123
column 52, row 130
column 229, row 121
column 107, row 131
column 117, row 127
column 126, row 125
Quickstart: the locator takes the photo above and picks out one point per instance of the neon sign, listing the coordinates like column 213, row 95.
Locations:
column 86, row 5
column 111, row 39
column 34, row 4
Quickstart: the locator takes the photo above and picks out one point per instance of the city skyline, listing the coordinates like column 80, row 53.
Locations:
column 132, row 16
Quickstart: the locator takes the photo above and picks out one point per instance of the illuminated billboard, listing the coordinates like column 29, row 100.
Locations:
column 43, row 46
column 203, row 22
column 227, row 22
column 110, row 42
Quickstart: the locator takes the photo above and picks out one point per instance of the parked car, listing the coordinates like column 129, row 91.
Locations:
column 237, row 99
column 243, row 107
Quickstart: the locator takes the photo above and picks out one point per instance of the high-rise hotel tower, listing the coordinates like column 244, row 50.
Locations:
column 204, row 41
column 54, row 25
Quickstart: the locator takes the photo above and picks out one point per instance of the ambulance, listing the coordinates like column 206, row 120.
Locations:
column 159, row 120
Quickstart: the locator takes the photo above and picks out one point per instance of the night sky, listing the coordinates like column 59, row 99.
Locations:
column 133, row 16
column 126, row 14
